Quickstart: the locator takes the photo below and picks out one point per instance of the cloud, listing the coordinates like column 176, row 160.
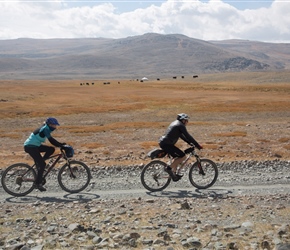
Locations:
column 212, row 20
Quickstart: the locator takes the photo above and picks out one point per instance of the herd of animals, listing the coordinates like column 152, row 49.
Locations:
column 105, row 83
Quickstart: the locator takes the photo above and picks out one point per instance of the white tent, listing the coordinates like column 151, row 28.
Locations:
column 144, row 79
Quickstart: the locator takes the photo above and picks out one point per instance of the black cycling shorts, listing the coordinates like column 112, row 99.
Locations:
column 172, row 150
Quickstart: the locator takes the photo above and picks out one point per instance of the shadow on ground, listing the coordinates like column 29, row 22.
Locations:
column 197, row 193
column 81, row 197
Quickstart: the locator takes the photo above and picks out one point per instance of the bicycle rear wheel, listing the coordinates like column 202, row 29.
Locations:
column 18, row 179
column 205, row 176
column 75, row 177
column 153, row 176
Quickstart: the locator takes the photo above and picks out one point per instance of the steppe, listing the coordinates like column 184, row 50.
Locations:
column 237, row 117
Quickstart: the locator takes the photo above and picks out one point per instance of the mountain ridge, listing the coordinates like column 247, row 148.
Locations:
column 151, row 54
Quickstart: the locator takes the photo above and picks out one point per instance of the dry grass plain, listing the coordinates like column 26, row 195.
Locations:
column 235, row 116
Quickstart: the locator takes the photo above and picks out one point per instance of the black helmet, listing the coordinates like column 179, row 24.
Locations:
column 52, row 120
column 182, row 116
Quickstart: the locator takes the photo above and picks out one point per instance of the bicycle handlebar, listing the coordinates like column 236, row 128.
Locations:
column 189, row 150
column 67, row 151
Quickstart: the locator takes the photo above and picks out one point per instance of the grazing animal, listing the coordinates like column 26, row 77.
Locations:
column 174, row 77
column 195, row 76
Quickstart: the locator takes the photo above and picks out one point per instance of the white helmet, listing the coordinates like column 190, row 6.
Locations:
column 182, row 116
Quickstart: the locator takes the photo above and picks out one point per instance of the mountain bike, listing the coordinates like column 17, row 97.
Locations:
column 73, row 177
column 203, row 173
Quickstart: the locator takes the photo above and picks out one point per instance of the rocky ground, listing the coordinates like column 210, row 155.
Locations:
column 241, row 222
column 115, row 212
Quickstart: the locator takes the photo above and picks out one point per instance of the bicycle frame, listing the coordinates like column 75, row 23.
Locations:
column 58, row 157
column 48, row 170
column 182, row 164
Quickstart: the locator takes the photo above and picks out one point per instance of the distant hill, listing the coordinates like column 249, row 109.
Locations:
column 151, row 55
column 276, row 55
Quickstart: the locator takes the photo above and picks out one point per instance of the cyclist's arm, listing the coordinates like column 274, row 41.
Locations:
column 54, row 142
column 188, row 138
column 184, row 139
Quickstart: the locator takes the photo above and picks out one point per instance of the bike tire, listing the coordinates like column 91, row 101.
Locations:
column 80, row 179
column 203, row 181
column 153, row 176
column 18, row 179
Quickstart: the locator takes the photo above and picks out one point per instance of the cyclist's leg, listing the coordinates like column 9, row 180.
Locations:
column 177, row 154
column 48, row 151
column 176, row 161
column 34, row 152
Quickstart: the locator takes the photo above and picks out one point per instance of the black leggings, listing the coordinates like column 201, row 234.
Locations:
column 34, row 152
column 172, row 150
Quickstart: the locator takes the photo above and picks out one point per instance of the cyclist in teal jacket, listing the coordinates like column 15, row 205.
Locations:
column 34, row 147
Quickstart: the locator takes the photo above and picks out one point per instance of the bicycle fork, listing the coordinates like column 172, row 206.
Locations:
column 71, row 173
column 199, row 165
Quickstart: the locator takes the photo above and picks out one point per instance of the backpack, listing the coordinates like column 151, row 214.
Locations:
column 157, row 153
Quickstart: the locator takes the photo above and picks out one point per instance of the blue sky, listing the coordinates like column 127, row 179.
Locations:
column 264, row 20
column 130, row 5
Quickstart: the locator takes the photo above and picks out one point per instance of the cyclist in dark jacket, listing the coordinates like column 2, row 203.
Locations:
column 176, row 130
column 34, row 147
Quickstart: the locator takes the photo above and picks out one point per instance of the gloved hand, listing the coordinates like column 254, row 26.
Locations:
column 199, row 147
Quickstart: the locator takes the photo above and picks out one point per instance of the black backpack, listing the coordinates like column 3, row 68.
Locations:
column 157, row 153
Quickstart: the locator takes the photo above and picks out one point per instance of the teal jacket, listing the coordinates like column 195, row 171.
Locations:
column 40, row 135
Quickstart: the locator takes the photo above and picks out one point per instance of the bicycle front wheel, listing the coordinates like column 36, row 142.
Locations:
column 18, row 179
column 204, row 175
column 153, row 176
column 75, row 177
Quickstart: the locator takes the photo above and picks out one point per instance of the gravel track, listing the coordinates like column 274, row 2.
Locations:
column 231, row 175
